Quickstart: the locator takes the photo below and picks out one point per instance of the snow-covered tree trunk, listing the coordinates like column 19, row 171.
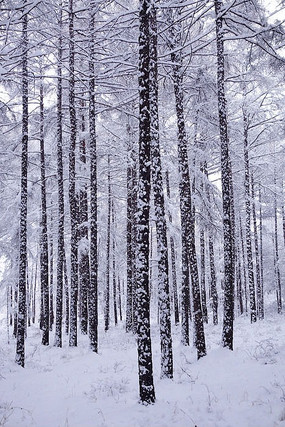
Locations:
column 226, row 175
column 173, row 258
column 83, row 262
column 257, row 256
column 251, row 286
column 93, row 286
column 20, row 346
column 159, row 205
column 187, row 219
column 261, row 255
column 146, row 386
column 131, row 234
column 115, row 306
column 51, row 275
column 44, row 255
column 276, row 251
column 60, row 190
column 108, row 252
column 72, row 180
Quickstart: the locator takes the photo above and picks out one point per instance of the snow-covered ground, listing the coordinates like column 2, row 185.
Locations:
column 73, row 387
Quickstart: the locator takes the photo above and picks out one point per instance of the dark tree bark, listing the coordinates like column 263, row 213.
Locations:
column 185, row 296
column 251, row 286
column 20, row 347
column 187, row 218
column 276, row 252
column 66, row 295
column 159, row 205
column 114, row 265
column 226, row 175
column 120, row 299
column 239, row 281
column 15, row 311
column 244, row 265
column 257, row 255
column 60, row 232
column 203, row 276
column 108, row 252
column 72, row 191
column 213, row 285
column 173, row 259
column 44, row 262
column 261, row 254
column 131, row 232
column 34, row 291
column 93, row 287
column 146, row 387
column 84, row 267
column 51, row 277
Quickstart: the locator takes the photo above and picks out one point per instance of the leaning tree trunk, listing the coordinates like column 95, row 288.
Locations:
column 44, row 274
column 20, row 347
column 226, row 175
column 72, row 192
column 146, row 387
column 159, row 205
column 93, row 286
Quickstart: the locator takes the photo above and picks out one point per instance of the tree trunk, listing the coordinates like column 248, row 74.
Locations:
column 261, row 256
column 276, row 257
column 107, row 289
column 226, row 174
column 44, row 273
column 20, row 347
column 93, row 286
column 131, row 228
column 251, row 286
column 257, row 256
column 72, row 192
column 159, row 205
column 173, row 260
column 187, row 219
column 51, row 277
column 84, row 268
column 60, row 232
column 146, row 387
column 114, row 266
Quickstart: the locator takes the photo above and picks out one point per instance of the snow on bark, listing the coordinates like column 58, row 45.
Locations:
column 146, row 387
column 20, row 346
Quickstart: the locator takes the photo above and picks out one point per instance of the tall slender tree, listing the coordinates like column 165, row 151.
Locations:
column 93, row 286
column 186, row 208
column 159, row 204
column 226, row 175
column 146, row 386
column 72, row 183
column 20, row 348
column 44, row 255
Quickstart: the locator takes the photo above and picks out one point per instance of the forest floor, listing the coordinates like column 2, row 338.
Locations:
column 73, row 387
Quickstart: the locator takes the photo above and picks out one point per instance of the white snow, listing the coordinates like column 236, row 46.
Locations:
column 73, row 387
